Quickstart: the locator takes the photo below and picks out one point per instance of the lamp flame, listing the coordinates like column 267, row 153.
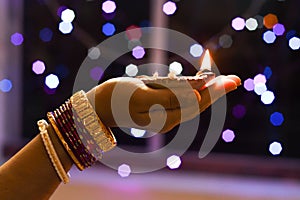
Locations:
column 206, row 62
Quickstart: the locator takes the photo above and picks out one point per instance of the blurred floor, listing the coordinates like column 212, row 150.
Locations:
column 100, row 183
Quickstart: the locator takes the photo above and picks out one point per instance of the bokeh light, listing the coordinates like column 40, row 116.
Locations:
column 251, row 24
column 259, row 78
column 52, row 81
column 268, row 72
column 124, row 170
column 225, row 41
column 65, row 27
column 6, row 85
column 38, row 67
column 276, row 119
column 275, row 148
column 67, row 15
column 109, row 6
column 270, row 20
column 94, row 53
column 228, row 135
column 173, row 162
column 269, row 37
column 16, row 39
column 278, row 29
column 175, row 67
column 267, row 97
column 96, row 73
column 290, row 34
column 169, row 8
column 196, row 50
column 238, row 23
column 131, row 70
column 46, row 34
column 108, row 29
column 249, row 84
column 239, row 111
column 138, row 52
column 294, row 43
column 138, row 133
column 260, row 21
column 260, row 88
column 133, row 32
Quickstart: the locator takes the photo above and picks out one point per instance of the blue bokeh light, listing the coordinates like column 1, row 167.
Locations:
column 108, row 29
column 268, row 72
column 276, row 118
column 5, row 85
column 46, row 34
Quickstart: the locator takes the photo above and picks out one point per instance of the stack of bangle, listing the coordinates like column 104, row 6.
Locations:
column 81, row 131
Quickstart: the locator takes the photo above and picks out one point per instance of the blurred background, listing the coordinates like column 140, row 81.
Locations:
column 43, row 43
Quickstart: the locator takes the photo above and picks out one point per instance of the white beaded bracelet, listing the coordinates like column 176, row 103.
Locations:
column 62, row 174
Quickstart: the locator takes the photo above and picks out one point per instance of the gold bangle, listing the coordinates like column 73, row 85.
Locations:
column 65, row 144
column 87, row 116
column 60, row 171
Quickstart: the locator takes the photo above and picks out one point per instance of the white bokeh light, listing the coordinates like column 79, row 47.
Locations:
column 67, row 15
column 169, row 8
column 131, row 70
column 294, row 43
column 94, row 53
column 275, row 148
column 52, row 81
column 65, row 27
column 176, row 68
column 137, row 132
column 267, row 97
column 173, row 162
column 196, row 50
column 109, row 6
column 124, row 170
column 269, row 37
column 238, row 23
column 260, row 88
column 260, row 78
column 251, row 24
column 228, row 135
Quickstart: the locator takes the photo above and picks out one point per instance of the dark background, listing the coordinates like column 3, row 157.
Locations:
column 204, row 21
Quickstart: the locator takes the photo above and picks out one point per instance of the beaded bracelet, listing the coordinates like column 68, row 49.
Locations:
column 60, row 171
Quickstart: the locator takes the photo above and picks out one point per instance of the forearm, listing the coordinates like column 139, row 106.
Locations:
column 30, row 173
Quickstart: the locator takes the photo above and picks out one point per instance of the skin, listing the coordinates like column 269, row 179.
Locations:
column 29, row 174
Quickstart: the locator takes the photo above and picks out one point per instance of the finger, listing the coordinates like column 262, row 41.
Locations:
column 216, row 89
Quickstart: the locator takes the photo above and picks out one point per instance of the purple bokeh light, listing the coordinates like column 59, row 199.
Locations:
column 138, row 52
column 228, row 135
column 278, row 29
column 239, row 111
column 96, row 73
column 249, row 84
column 16, row 39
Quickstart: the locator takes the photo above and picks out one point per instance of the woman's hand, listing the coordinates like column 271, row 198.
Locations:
column 128, row 102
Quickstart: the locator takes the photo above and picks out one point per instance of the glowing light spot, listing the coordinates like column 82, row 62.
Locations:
column 260, row 88
column 206, row 62
column 67, row 15
column 94, row 53
column 138, row 52
column 196, row 50
column 228, row 135
column 239, row 111
column 173, row 162
column 16, row 39
column 65, row 27
column 278, row 29
column 46, row 34
column 52, row 81
column 275, row 148
column 124, row 170
column 133, row 32
column 138, row 133
column 96, row 73
column 270, row 20
column 294, row 43
column 225, row 41
column 175, row 67
column 60, row 10
column 260, row 21
column 269, row 37
column 290, row 34
column 131, row 70
column 38, row 67
column 268, row 72
column 108, row 29
column 276, row 119
column 251, row 24
column 249, row 84
column 267, row 97
column 238, row 23
column 6, row 85
column 259, row 78
column 169, row 8
column 109, row 6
